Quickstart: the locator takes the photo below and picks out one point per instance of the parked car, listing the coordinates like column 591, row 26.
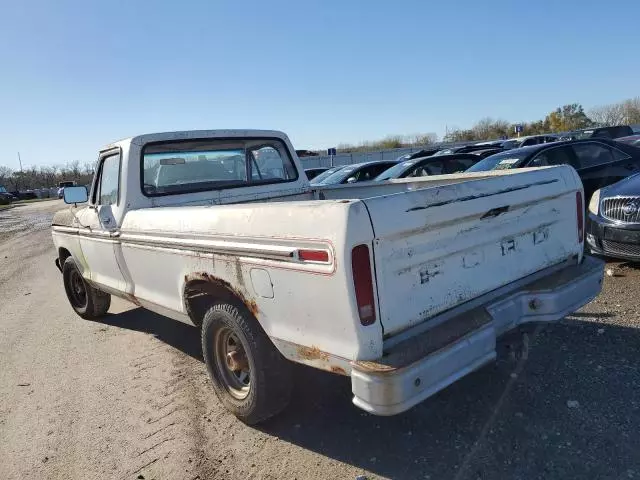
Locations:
column 306, row 153
column 5, row 196
column 599, row 161
column 320, row 177
column 485, row 152
column 630, row 140
column 425, row 152
column 314, row 172
column 600, row 132
column 61, row 187
column 528, row 141
column 357, row 172
column 467, row 149
column 614, row 220
column 401, row 287
column 433, row 165
column 24, row 194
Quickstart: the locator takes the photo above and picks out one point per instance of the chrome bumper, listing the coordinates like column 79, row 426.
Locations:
column 384, row 390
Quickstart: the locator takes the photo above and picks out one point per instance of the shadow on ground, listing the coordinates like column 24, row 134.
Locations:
column 571, row 410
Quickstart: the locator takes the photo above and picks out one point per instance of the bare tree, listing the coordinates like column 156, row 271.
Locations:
column 622, row 113
column 608, row 115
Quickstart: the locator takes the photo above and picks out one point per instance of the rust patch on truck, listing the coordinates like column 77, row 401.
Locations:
column 133, row 299
column 373, row 367
column 312, row 353
column 338, row 370
column 216, row 287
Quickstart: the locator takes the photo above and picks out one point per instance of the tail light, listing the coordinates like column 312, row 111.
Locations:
column 580, row 214
column 363, row 283
column 314, row 255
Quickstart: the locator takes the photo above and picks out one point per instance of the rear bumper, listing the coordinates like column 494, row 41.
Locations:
column 391, row 386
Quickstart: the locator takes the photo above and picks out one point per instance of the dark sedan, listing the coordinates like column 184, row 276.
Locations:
column 599, row 162
column 358, row 172
column 614, row 220
column 433, row 165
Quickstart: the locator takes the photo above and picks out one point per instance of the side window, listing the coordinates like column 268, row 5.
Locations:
column 109, row 182
column 426, row 169
column 553, row 156
column 268, row 164
column 458, row 165
column 619, row 154
column 369, row 173
column 591, row 154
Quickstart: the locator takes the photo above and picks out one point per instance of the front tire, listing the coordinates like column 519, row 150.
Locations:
column 250, row 377
column 87, row 301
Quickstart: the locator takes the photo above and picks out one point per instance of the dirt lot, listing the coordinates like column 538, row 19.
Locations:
column 129, row 398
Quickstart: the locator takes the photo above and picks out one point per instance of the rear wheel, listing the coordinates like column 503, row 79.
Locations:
column 86, row 301
column 250, row 377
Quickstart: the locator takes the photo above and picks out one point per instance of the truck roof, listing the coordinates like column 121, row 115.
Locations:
column 196, row 134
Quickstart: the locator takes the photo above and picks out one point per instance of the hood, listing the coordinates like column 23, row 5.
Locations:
column 630, row 186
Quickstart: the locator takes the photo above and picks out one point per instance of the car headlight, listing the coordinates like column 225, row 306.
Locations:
column 594, row 204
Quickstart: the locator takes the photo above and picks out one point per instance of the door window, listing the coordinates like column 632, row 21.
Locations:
column 109, row 183
column 457, row 165
column 553, row 156
column 426, row 169
column 591, row 154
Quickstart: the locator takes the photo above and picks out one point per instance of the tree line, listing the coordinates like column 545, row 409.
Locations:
column 45, row 176
column 562, row 119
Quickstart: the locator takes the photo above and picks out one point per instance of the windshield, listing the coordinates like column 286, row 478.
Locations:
column 325, row 174
column 631, row 140
column 446, row 151
column 395, row 172
column 336, row 177
column 582, row 134
column 499, row 161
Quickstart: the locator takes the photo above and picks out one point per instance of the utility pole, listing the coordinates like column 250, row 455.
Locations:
column 20, row 160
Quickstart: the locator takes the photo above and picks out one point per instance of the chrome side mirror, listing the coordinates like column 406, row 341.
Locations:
column 75, row 195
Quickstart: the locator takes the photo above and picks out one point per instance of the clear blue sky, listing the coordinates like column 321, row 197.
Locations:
column 76, row 75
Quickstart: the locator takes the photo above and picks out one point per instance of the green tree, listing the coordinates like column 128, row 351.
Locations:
column 568, row 117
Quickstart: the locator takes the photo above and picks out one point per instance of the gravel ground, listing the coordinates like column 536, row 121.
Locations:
column 129, row 398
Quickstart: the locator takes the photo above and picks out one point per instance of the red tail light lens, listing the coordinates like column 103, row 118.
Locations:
column 580, row 214
column 363, row 283
column 313, row 255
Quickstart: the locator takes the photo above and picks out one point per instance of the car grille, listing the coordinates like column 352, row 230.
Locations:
column 614, row 209
column 621, row 248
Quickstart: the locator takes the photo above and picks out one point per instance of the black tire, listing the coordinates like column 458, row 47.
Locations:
column 87, row 301
column 269, row 373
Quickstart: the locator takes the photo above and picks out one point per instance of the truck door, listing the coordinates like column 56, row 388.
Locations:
column 99, row 237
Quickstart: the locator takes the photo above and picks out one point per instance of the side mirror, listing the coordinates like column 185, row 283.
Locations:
column 75, row 194
column 351, row 180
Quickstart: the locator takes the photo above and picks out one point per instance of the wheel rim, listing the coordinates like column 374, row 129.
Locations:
column 77, row 289
column 232, row 362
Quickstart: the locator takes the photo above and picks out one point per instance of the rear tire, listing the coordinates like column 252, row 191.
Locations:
column 87, row 301
column 250, row 377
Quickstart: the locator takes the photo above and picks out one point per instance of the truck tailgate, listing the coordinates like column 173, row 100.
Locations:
column 439, row 247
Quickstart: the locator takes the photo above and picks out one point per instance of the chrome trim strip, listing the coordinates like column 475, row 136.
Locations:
column 219, row 246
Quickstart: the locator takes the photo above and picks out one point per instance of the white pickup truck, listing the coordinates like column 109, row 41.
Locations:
column 402, row 285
